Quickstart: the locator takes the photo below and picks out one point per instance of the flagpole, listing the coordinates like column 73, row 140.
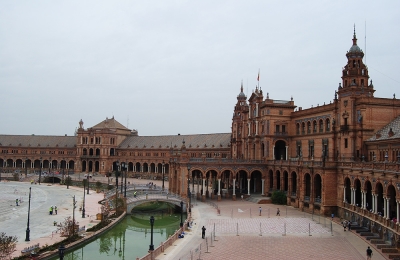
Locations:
column 258, row 79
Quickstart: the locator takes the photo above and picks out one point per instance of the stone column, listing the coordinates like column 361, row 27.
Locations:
column 248, row 186
column 219, row 189
column 203, row 196
column 384, row 208
column 387, row 208
column 262, row 187
column 376, row 204
column 397, row 212
column 344, row 194
column 234, row 191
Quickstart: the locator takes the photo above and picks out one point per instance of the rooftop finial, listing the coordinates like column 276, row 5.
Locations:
column 354, row 35
column 241, row 86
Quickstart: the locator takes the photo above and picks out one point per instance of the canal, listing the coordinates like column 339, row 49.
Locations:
column 131, row 237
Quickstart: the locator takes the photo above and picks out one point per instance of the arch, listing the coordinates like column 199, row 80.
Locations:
column 97, row 152
column 112, row 151
column 315, row 129
column 280, row 150
column 278, row 180
column 308, row 127
column 391, row 195
column 368, row 190
column 321, row 126
column 271, row 180
column 298, row 128
column 84, row 151
column 327, row 125
column 380, row 202
column 317, row 188
column 357, row 188
column 347, row 189
column 91, row 151
column 307, row 188
column 255, row 182
column 145, row 167
column 303, row 128
column 294, row 184
column 84, row 163
column 97, row 166
column 285, row 181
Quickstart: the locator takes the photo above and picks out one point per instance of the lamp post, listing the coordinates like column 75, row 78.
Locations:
column 40, row 172
column 73, row 216
column 88, row 177
column 28, row 231
column 163, row 175
column 68, row 179
column 83, row 206
column 116, row 174
column 181, row 224
column 26, row 169
column 126, row 169
column 188, row 189
column 61, row 251
column 122, row 175
column 151, row 248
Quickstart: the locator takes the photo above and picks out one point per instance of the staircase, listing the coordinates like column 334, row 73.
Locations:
column 386, row 248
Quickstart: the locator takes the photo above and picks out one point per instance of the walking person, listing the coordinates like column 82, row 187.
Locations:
column 369, row 253
column 344, row 225
column 16, row 202
column 51, row 211
column 259, row 210
column 278, row 212
column 349, row 226
column 332, row 216
column 55, row 209
column 203, row 232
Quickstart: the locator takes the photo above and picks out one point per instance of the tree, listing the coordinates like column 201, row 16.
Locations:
column 278, row 197
column 7, row 245
column 66, row 228
column 99, row 186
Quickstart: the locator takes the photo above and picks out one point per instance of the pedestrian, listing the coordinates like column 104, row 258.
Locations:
column 241, row 196
column 51, row 211
column 278, row 212
column 332, row 216
column 349, row 226
column 16, row 202
column 55, row 209
column 344, row 225
column 54, row 223
column 203, row 232
column 369, row 253
column 134, row 194
column 259, row 210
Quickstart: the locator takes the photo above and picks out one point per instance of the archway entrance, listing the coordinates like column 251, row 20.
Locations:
column 280, row 150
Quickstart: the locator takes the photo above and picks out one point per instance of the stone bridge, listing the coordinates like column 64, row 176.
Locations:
column 146, row 193
column 132, row 201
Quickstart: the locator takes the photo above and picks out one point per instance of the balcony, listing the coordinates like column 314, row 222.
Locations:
column 281, row 133
column 344, row 128
column 90, row 156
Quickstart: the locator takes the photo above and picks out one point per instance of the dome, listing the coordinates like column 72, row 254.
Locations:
column 355, row 48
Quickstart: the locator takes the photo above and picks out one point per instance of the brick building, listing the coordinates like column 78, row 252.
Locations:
column 341, row 157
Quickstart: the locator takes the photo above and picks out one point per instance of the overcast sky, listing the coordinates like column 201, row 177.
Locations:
column 169, row 67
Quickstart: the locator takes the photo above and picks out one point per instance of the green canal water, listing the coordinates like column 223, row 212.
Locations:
column 131, row 237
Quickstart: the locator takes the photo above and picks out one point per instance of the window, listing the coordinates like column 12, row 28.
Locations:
column 345, row 143
column 321, row 126
column 298, row 129
column 308, row 127
column 315, row 126
column 277, row 129
column 283, row 129
column 328, row 125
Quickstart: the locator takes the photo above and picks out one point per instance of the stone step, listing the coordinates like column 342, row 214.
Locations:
column 390, row 251
column 377, row 241
column 375, row 236
column 366, row 234
column 381, row 246
column 394, row 256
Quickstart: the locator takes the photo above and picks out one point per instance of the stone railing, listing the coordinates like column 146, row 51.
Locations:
column 164, row 245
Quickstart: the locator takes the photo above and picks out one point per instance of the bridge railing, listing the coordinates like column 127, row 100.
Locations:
column 147, row 195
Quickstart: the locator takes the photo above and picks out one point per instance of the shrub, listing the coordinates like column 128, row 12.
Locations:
column 278, row 197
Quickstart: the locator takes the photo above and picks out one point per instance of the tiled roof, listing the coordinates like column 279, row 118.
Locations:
column 191, row 141
column 109, row 123
column 37, row 141
column 389, row 132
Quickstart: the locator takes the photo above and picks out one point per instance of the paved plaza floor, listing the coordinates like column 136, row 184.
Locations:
column 240, row 233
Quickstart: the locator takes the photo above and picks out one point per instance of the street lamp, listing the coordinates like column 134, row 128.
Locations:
column 68, row 179
column 83, row 206
column 188, row 189
column 163, row 175
column 40, row 172
column 116, row 174
column 126, row 169
column 61, row 251
column 181, row 224
column 122, row 175
column 151, row 248
column 87, row 184
column 26, row 169
column 28, row 231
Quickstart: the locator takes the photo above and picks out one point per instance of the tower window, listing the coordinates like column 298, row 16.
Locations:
column 346, row 143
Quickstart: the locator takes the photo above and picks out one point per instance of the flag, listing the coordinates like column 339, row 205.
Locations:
column 258, row 76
